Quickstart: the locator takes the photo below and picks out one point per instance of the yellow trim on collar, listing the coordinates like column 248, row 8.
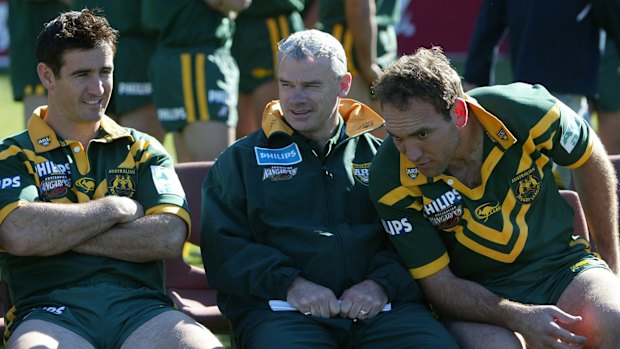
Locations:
column 358, row 118
column 492, row 124
column 44, row 138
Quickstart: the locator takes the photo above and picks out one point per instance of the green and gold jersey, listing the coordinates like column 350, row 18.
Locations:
column 512, row 231
column 187, row 23
column 39, row 166
column 123, row 16
column 272, row 8
column 332, row 12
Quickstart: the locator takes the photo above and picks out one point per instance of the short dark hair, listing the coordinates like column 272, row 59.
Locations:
column 427, row 75
column 73, row 30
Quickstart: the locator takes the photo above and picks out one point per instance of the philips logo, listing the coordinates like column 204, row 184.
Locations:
column 442, row 203
column 10, row 182
column 50, row 167
column 288, row 155
column 397, row 227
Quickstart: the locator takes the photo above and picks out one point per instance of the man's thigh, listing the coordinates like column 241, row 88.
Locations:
column 410, row 325
column 172, row 329
column 594, row 295
column 291, row 330
column 43, row 334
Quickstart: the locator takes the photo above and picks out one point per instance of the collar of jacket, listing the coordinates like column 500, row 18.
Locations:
column 45, row 139
column 358, row 118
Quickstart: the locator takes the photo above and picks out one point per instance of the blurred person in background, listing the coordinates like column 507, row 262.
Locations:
column 132, row 102
column 195, row 78
column 255, row 43
column 26, row 19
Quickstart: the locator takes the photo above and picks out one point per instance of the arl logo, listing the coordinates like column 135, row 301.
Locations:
column 413, row 172
column 361, row 172
column 397, row 226
column 122, row 182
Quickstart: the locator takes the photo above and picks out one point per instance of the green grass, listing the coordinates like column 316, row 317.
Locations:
column 11, row 112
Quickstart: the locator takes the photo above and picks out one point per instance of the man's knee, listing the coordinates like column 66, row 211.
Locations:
column 484, row 336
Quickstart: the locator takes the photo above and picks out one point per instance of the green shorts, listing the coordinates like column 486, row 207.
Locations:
column 132, row 87
column 191, row 85
column 387, row 45
column 551, row 288
column 407, row 325
column 609, row 80
column 255, row 55
column 104, row 313
column 26, row 19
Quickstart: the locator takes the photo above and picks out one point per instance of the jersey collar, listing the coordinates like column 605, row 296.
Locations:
column 45, row 139
column 495, row 127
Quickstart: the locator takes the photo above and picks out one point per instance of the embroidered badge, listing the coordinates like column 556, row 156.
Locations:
column 413, row 172
column 279, row 173
column 45, row 141
column 122, row 181
column 361, row 172
column 526, row 185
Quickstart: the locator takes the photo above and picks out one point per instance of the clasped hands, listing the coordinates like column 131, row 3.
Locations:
column 361, row 301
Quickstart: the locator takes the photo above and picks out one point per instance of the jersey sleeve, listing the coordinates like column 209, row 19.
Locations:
column 572, row 143
column 415, row 239
column 17, row 183
column 159, row 188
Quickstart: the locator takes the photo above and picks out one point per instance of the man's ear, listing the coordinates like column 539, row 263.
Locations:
column 462, row 113
column 345, row 85
column 46, row 75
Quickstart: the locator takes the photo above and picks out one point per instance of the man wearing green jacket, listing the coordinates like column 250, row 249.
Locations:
column 290, row 238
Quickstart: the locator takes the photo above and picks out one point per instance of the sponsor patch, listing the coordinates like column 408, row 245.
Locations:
column 10, row 182
column 526, row 185
column 361, row 172
column 54, row 186
column 413, row 172
column 397, row 226
column 279, row 173
column 166, row 181
column 446, row 211
column 46, row 168
column 288, row 155
column 570, row 128
column 122, row 181
column 486, row 210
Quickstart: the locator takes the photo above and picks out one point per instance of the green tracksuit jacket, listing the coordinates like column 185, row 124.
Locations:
column 273, row 209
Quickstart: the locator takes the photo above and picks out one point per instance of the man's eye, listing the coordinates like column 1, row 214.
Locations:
column 422, row 135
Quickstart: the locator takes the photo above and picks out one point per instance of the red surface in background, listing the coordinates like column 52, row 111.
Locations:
column 445, row 23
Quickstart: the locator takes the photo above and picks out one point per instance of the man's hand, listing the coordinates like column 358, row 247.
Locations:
column 542, row 327
column 363, row 300
column 312, row 299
